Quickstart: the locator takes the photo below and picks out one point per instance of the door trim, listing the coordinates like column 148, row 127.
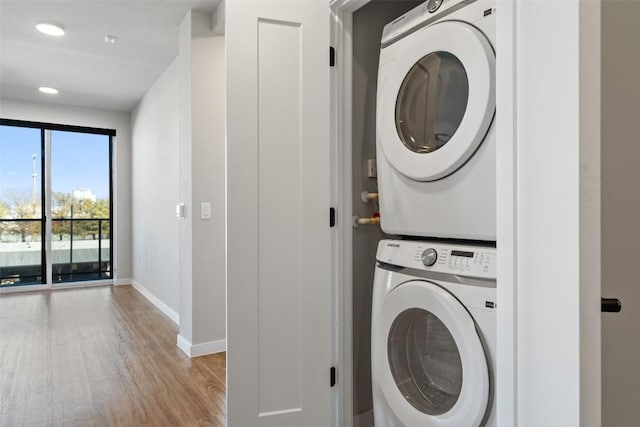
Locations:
column 506, row 384
column 548, row 223
column 513, row 201
column 341, row 104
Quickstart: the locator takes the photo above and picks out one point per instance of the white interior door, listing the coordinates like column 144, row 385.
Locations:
column 278, row 236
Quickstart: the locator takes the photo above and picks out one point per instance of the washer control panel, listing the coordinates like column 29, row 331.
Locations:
column 465, row 260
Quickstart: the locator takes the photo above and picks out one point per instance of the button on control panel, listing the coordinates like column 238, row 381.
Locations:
column 475, row 262
column 433, row 5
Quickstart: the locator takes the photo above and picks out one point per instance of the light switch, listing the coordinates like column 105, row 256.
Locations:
column 205, row 210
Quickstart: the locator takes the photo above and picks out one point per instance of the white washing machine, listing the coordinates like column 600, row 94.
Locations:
column 433, row 335
column 435, row 111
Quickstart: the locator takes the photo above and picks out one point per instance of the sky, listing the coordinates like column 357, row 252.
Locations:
column 78, row 160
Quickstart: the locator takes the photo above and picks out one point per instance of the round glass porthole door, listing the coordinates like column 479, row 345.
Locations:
column 436, row 99
column 425, row 361
column 431, row 102
column 428, row 359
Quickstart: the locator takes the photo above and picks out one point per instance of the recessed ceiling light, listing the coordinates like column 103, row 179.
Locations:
column 110, row 39
column 50, row 29
column 48, row 90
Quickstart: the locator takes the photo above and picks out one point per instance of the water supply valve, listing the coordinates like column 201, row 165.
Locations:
column 374, row 220
column 366, row 196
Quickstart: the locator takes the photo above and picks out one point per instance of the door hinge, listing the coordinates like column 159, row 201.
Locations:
column 332, row 56
column 332, row 217
column 333, row 376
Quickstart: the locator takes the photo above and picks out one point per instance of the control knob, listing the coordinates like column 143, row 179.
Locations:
column 429, row 257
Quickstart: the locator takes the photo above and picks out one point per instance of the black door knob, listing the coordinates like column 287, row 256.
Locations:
column 610, row 305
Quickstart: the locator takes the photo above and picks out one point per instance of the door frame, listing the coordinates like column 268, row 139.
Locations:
column 549, row 213
column 341, row 132
column 517, row 32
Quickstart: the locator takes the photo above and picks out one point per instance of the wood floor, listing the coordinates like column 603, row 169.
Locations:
column 101, row 357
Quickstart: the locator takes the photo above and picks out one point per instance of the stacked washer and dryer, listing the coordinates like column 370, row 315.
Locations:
column 434, row 296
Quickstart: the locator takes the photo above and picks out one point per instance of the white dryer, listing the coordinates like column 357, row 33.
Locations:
column 435, row 111
column 433, row 335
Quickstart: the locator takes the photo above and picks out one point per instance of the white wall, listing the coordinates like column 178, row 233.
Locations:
column 154, row 184
column 91, row 117
column 208, row 172
column 178, row 157
column 202, row 179
column 184, row 161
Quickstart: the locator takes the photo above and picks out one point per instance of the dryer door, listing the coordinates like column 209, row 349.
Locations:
column 436, row 99
column 435, row 372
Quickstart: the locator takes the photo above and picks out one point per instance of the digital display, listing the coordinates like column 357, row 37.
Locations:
column 462, row 253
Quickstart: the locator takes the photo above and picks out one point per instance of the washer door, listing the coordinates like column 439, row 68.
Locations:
column 436, row 99
column 436, row 371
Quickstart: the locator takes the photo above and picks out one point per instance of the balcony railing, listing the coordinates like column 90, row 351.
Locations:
column 80, row 250
column 21, row 256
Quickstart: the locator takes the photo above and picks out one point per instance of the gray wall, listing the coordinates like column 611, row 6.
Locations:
column 185, row 225
column 178, row 157
column 621, row 210
column 208, row 171
column 93, row 117
column 367, row 31
column 155, row 190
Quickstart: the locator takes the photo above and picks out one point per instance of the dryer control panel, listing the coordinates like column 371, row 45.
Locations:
column 430, row 12
column 463, row 260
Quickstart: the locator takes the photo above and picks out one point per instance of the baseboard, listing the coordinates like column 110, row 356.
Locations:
column 363, row 420
column 184, row 345
column 164, row 308
column 209, row 347
column 202, row 349
column 122, row 282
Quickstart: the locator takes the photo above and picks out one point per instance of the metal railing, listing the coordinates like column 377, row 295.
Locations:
column 22, row 260
column 22, row 254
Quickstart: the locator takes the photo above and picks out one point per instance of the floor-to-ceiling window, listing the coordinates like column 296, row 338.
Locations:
column 55, row 204
column 22, row 225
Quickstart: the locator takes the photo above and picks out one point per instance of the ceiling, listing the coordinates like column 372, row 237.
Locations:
column 81, row 65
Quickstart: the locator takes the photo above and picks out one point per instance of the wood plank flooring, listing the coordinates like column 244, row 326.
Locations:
column 101, row 357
